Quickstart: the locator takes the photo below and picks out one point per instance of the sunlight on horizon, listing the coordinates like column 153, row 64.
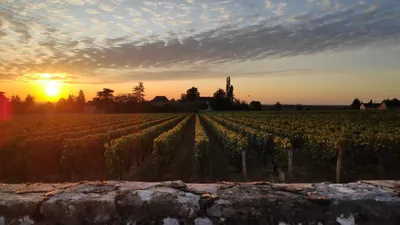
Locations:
column 50, row 87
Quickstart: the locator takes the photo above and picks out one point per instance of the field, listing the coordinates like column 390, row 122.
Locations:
column 202, row 147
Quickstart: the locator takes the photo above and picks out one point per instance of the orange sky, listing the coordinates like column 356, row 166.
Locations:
column 310, row 89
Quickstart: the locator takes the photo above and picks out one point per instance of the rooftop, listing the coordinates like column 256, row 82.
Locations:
column 160, row 99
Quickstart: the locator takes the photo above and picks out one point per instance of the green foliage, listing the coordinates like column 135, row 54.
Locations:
column 164, row 145
column 78, row 152
column 120, row 152
column 201, row 147
column 255, row 105
column 233, row 142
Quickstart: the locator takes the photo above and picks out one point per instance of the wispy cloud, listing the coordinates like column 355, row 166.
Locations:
column 117, row 37
column 269, row 4
column 105, row 7
column 92, row 11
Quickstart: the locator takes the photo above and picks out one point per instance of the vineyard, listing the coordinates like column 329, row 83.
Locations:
column 202, row 147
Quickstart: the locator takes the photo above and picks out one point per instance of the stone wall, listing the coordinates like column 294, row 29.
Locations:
column 177, row 203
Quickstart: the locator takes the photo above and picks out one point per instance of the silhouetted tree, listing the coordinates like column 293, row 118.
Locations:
column 183, row 97
column 239, row 105
column 17, row 104
column 278, row 106
column 255, row 105
column 220, row 100
column 61, row 106
column 356, row 104
column 299, row 107
column 71, row 104
column 124, row 98
column 138, row 92
column 80, row 102
column 104, row 100
column 49, row 108
column 16, row 99
column 81, row 97
column 105, row 94
column 229, row 90
column 192, row 94
column 29, row 103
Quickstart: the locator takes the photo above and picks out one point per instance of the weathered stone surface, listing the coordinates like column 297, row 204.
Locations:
column 176, row 203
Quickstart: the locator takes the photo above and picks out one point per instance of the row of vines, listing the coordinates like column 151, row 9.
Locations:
column 72, row 148
column 344, row 144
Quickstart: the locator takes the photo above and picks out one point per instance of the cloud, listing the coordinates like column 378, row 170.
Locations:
column 118, row 17
column 149, row 3
column 279, row 8
column 76, row 2
column 120, row 46
column 269, row 4
column 106, row 7
column 2, row 34
column 185, row 74
column 92, row 11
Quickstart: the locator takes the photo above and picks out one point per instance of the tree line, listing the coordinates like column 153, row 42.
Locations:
column 106, row 101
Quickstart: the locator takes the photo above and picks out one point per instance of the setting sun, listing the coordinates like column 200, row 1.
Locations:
column 51, row 88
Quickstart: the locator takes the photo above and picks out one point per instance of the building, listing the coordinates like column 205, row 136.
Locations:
column 370, row 106
column 159, row 101
column 5, row 107
column 393, row 105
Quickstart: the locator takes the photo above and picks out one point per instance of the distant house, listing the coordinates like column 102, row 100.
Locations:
column 393, row 105
column 5, row 107
column 370, row 106
column 159, row 101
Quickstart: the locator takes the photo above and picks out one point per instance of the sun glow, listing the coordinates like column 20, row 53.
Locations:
column 51, row 88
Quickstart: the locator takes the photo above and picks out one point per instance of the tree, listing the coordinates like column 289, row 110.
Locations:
column 106, row 94
column 62, row 106
column 17, row 104
column 16, row 99
column 138, row 92
column 124, row 98
column 255, row 105
column 278, row 106
column 220, row 100
column 71, row 104
column 183, row 97
column 228, row 84
column 81, row 97
column 192, row 94
column 71, row 99
column 299, row 107
column 356, row 104
column 220, row 94
column 104, row 100
column 229, row 90
column 29, row 103
column 80, row 102
column 49, row 107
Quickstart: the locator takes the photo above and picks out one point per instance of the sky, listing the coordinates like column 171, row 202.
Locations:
column 292, row 51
